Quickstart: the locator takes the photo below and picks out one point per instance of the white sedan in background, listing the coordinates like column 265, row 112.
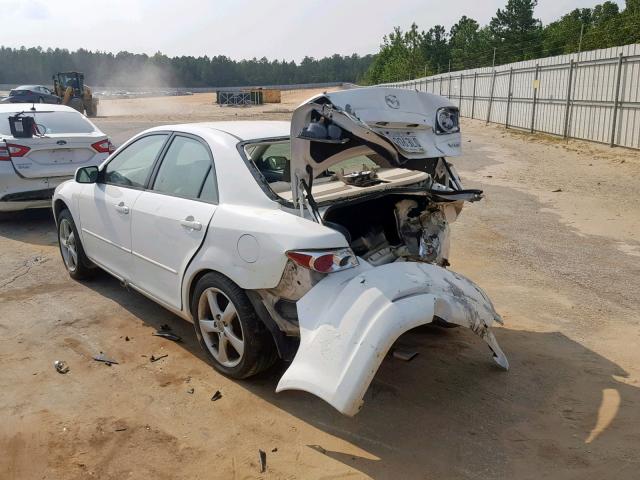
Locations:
column 319, row 241
column 31, row 168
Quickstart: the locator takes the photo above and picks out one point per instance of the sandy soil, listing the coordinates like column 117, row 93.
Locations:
column 563, row 267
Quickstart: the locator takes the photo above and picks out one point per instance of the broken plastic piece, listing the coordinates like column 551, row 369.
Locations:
column 168, row 335
column 191, row 390
column 263, row 460
column 216, row 396
column 155, row 359
column 405, row 355
column 61, row 366
column 104, row 359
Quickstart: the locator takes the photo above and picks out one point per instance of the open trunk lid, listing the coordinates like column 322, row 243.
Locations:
column 392, row 125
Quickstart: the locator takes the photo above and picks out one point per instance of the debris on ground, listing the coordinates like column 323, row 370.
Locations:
column 155, row 359
column 263, row 460
column 556, row 190
column 405, row 355
column 126, row 339
column 216, row 396
column 168, row 335
column 121, row 429
column 104, row 359
column 191, row 390
column 318, row 448
column 273, row 450
column 61, row 366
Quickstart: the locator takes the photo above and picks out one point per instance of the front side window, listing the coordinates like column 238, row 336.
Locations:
column 132, row 166
column 185, row 169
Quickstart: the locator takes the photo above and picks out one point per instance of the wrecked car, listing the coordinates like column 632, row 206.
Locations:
column 318, row 241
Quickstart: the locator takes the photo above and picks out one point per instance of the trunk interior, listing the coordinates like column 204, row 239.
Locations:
column 392, row 227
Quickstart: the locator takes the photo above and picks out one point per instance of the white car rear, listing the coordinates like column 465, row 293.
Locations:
column 31, row 168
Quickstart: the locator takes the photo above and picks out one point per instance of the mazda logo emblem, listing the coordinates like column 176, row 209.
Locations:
column 392, row 101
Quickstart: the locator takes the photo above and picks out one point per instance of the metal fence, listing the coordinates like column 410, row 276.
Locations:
column 593, row 95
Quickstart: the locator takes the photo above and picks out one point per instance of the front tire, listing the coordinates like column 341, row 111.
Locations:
column 75, row 261
column 236, row 342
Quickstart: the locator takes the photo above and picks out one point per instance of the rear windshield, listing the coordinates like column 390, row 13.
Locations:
column 52, row 122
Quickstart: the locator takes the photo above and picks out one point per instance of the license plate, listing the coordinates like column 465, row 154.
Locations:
column 62, row 156
column 408, row 143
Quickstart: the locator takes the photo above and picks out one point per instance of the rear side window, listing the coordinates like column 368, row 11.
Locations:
column 209, row 191
column 132, row 166
column 185, row 168
column 52, row 122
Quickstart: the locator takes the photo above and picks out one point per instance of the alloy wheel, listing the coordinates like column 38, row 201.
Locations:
column 68, row 246
column 220, row 326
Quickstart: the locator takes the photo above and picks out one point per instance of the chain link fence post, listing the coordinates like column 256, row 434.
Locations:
column 493, row 84
column 567, row 108
column 616, row 102
column 536, row 84
column 506, row 121
column 473, row 97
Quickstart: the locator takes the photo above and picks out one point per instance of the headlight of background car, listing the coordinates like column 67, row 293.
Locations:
column 447, row 120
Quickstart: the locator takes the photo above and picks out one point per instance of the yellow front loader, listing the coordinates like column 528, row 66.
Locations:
column 70, row 87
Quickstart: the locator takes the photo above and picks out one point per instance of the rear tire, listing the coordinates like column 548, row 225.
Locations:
column 92, row 110
column 75, row 260
column 235, row 340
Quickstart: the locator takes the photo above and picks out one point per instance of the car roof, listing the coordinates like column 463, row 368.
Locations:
column 25, row 87
column 38, row 107
column 240, row 129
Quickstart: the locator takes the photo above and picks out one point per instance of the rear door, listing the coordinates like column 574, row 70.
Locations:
column 170, row 219
column 68, row 141
column 105, row 207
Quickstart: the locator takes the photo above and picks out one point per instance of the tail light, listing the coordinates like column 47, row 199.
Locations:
column 17, row 150
column 324, row 261
column 4, row 153
column 104, row 146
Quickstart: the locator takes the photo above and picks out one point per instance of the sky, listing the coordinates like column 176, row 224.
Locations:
column 239, row 29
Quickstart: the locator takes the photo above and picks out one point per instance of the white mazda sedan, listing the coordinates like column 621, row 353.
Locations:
column 318, row 241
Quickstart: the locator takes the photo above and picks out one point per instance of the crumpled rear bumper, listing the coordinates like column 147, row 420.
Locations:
column 350, row 320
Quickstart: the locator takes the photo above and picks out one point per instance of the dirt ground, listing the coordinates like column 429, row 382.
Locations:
column 556, row 244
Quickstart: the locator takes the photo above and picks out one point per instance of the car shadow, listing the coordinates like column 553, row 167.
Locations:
column 35, row 226
column 562, row 411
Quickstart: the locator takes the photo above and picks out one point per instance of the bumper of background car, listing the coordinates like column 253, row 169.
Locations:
column 350, row 320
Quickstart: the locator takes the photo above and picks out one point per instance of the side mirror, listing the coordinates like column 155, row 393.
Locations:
column 87, row 174
column 277, row 162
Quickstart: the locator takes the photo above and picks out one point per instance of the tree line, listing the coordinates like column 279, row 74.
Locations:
column 124, row 69
column 513, row 34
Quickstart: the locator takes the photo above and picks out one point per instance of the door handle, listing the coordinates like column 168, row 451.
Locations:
column 122, row 208
column 191, row 224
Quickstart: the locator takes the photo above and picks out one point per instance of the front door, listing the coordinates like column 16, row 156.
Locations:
column 170, row 220
column 105, row 207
